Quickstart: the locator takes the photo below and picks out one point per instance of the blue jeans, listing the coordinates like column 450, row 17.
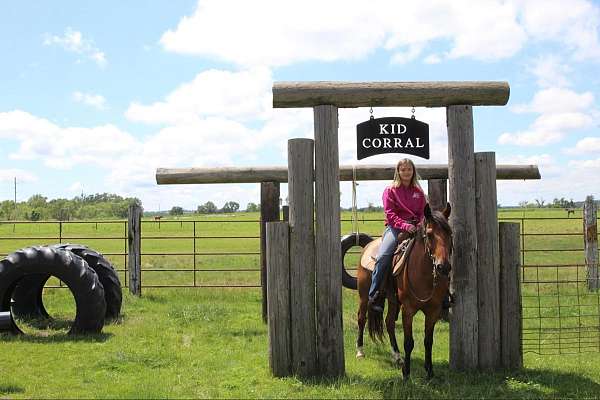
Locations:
column 383, row 263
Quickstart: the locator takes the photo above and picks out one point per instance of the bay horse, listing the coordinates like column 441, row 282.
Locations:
column 420, row 285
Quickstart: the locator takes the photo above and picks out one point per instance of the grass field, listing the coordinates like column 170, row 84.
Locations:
column 211, row 342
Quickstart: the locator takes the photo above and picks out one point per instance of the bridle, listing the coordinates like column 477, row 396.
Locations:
column 437, row 270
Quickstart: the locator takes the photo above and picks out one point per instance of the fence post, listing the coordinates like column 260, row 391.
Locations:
column 269, row 211
column 278, row 300
column 488, row 263
column 511, row 328
column 328, row 256
column 437, row 196
column 134, row 240
column 302, row 256
column 461, row 182
column 437, row 193
column 286, row 212
column 590, row 232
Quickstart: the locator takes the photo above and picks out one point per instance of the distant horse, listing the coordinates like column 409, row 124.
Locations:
column 570, row 211
column 421, row 284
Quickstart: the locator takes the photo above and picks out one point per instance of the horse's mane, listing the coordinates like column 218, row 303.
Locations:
column 441, row 221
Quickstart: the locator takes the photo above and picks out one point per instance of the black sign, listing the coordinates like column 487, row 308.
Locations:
column 392, row 135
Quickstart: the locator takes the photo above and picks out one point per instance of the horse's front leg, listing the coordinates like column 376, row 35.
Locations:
column 431, row 317
column 390, row 323
column 409, row 342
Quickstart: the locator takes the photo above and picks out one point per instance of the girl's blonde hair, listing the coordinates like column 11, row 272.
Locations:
column 414, row 180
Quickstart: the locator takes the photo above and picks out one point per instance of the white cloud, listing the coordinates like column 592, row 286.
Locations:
column 8, row 175
column 93, row 100
column 284, row 33
column 590, row 165
column 561, row 112
column 73, row 41
column 574, row 25
column 432, row 59
column 239, row 95
column 585, row 145
column 63, row 147
column 550, row 71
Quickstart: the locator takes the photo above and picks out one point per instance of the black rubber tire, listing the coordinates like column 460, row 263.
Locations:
column 27, row 295
column 348, row 241
column 68, row 267
column 109, row 278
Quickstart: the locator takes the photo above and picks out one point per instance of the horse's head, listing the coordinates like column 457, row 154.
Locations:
column 438, row 238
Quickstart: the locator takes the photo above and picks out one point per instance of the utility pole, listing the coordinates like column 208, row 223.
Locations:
column 15, row 198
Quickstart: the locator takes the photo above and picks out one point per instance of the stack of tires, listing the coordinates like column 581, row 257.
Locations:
column 91, row 278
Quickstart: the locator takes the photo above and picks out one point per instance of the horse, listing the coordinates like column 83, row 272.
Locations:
column 420, row 285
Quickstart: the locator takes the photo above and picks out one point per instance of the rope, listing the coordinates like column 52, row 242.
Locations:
column 354, row 210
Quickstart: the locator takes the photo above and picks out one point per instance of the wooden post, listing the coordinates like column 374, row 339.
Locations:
column 510, row 296
column 134, row 240
column 461, row 174
column 330, row 336
column 302, row 256
column 269, row 211
column 488, row 261
column 437, row 193
column 590, row 232
column 437, row 196
column 278, row 300
column 285, row 210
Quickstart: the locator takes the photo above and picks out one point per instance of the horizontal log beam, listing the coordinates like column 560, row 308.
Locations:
column 175, row 176
column 389, row 94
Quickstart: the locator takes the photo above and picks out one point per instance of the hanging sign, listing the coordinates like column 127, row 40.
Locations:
column 392, row 135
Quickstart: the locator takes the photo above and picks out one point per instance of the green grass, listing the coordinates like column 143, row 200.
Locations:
column 212, row 342
column 183, row 343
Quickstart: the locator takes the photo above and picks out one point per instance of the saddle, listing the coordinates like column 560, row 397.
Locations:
column 401, row 254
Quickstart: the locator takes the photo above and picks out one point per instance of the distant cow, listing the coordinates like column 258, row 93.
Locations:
column 157, row 218
column 570, row 211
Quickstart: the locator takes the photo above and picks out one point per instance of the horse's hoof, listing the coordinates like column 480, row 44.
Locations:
column 360, row 353
column 397, row 360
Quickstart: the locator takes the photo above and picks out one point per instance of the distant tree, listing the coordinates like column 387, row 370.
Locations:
column 176, row 210
column 252, row 207
column 207, row 208
column 539, row 202
column 35, row 215
column 230, row 206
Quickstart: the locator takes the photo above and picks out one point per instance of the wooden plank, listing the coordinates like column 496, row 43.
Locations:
column 437, row 193
column 278, row 300
column 389, row 94
column 176, row 176
column 134, row 242
column 461, row 177
column 510, row 296
column 302, row 256
column 590, row 231
column 488, row 261
column 330, row 336
column 269, row 212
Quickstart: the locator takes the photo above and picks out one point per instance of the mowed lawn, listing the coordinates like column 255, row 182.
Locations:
column 211, row 342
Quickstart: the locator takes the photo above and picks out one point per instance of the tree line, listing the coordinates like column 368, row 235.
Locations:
column 95, row 206
column 211, row 208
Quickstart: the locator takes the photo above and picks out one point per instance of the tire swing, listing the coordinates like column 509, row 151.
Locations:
column 27, row 295
column 354, row 239
column 66, row 266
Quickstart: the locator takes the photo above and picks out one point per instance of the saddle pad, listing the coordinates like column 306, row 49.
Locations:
column 369, row 255
column 367, row 260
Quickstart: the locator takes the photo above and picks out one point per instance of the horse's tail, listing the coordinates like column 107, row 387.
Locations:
column 375, row 325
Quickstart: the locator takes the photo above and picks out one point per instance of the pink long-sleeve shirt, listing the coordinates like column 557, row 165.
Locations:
column 403, row 206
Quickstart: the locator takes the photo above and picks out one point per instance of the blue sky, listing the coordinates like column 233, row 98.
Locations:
column 97, row 95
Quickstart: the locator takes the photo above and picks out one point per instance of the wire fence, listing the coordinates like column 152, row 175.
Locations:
column 560, row 314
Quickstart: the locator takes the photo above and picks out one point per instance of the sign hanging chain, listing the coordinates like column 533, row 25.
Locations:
column 354, row 210
column 413, row 113
column 371, row 111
